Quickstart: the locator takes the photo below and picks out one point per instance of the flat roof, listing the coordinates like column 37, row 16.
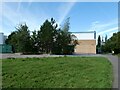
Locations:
column 85, row 35
column 85, row 32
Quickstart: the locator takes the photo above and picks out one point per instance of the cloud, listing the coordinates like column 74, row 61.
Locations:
column 99, row 26
column 9, row 14
column 104, row 28
column 15, row 16
column 12, row 18
column 109, row 30
column 94, row 26
column 19, row 5
column 64, row 10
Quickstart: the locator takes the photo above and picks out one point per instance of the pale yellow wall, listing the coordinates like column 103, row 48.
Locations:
column 86, row 47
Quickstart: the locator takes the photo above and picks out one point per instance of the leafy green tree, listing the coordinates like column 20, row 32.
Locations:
column 23, row 36
column 20, row 39
column 34, row 42
column 113, row 44
column 49, row 39
column 58, row 43
column 12, row 40
column 66, row 38
column 46, row 36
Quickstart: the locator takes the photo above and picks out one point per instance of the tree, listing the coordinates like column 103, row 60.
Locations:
column 20, row 39
column 34, row 42
column 58, row 42
column 113, row 44
column 66, row 38
column 99, row 45
column 106, row 38
column 99, row 41
column 23, row 36
column 12, row 40
column 49, row 39
column 46, row 36
column 74, row 40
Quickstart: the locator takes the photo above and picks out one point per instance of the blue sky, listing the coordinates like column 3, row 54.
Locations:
column 101, row 17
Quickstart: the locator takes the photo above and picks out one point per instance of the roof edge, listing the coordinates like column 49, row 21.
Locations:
column 85, row 32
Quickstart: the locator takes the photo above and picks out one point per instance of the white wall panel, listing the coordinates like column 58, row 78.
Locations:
column 84, row 35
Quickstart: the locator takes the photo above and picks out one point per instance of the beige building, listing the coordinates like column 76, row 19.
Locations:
column 86, row 42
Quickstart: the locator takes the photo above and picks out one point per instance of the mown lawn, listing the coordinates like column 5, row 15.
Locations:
column 57, row 72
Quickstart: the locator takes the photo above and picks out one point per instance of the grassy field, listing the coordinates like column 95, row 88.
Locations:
column 57, row 72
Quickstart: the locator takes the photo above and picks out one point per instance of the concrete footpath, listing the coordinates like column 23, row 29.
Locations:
column 114, row 61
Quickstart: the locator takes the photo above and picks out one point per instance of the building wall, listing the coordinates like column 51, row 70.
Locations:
column 86, row 47
column 5, row 48
column 86, row 42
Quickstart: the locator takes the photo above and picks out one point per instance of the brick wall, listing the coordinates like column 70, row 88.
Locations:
column 86, row 47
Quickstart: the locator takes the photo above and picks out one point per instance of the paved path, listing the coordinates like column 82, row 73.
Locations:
column 112, row 59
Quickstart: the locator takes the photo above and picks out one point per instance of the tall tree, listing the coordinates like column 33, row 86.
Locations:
column 12, row 40
column 106, row 38
column 66, row 25
column 99, row 45
column 99, row 41
column 20, row 39
column 66, row 35
column 34, row 42
column 49, row 39
column 46, row 35
column 23, row 35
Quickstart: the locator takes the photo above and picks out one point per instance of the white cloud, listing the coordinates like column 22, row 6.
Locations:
column 64, row 10
column 107, row 31
column 15, row 17
column 99, row 26
column 104, row 28
column 19, row 5
column 94, row 26
column 33, row 21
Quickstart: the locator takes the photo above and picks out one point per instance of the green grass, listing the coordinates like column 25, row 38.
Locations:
column 57, row 72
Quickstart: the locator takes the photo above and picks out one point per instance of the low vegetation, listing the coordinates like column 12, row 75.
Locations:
column 57, row 72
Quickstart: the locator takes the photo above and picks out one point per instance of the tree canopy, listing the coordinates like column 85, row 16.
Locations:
column 48, row 39
column 20, row 39
column 112, row 44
